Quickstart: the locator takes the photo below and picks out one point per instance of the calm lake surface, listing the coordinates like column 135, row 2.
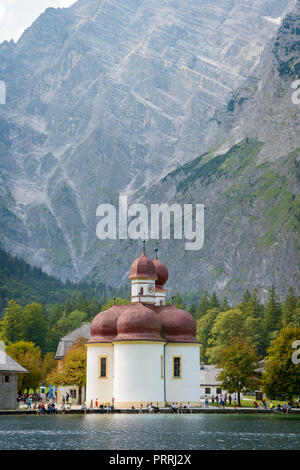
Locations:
column 158, row 432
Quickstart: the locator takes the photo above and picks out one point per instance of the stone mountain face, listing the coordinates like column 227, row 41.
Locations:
column 108, row 95
column 250, row 185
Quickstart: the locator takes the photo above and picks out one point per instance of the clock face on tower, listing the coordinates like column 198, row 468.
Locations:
column 150, row 289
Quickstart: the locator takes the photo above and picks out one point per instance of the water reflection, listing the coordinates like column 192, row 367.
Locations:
column 150, row 432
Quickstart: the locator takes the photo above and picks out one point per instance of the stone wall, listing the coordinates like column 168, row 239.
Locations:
column 8, row 391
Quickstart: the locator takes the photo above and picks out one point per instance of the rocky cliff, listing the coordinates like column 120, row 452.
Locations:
column 107, row 96
column 249, row 185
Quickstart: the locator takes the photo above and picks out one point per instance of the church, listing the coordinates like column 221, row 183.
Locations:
column 146, row 351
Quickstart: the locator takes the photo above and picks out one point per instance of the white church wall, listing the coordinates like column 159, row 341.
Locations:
column 137, row 373
column 147, row 287
column 187, row 386
column 100, row 388
column 160, row 298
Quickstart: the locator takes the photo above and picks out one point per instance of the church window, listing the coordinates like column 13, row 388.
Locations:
column 103, row 367
column 177, row 367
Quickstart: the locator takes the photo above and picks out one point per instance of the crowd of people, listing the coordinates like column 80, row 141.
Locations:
column 222, row 400
column 181, row 408
column 150, row 408
column 44, row 404
column 228, row 400
column 97, row 406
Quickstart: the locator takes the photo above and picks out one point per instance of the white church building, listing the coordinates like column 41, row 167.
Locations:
column 146, row 351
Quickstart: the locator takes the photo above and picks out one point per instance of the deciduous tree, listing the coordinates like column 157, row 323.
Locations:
column 29, row 356
column 239, row 364
column 282, row 376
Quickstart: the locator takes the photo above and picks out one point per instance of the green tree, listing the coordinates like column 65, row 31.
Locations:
column 117, row 301
column 251, row 306
column 48, row 365
column 177, row 301
column 204, row 330
column 273, row 312
column 296, row 317
column 226, row 326
column 282, row 377
column 29, row 356
column 254, row 334
column 35, row 325
column 204, row 305
column 239, row 364
column 192, row 310
column 225, row 305
column 246, row 297
column 289, row 307
column 12, row 324
column 214, row 302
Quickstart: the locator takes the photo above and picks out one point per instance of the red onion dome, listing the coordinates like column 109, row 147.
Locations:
column 139, row 322
column 162, row 273
column 104, row 325
column 177, row 325
column 143, row 267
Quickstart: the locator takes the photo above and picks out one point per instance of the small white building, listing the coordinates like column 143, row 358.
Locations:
column 65, row 343
column 209, row 385
column 144, row 352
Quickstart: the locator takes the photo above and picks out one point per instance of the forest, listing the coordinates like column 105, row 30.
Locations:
column 37, row 310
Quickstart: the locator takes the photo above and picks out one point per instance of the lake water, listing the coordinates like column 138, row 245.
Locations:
column 157, row 432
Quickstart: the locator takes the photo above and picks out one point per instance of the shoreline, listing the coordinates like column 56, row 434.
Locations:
column 162, row 411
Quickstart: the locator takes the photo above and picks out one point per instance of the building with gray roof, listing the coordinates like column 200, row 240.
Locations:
column 9, row 370
column 83, row 331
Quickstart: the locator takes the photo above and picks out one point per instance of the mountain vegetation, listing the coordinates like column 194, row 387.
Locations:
column 25, row 284
column 107, row 98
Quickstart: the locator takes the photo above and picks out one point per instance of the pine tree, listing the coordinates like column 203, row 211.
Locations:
column 273, row 312
column 192, row 310
column 289, row 307
column 225, row 306
column 12, row 325
column 246, row 296
column 214, row 302
column 204, row 305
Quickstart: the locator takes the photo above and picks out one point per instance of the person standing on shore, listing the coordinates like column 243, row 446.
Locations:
column 235, row 400
column 189, row 407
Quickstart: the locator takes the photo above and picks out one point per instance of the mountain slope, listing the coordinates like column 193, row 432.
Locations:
column 249, row 185
column 105, row 96
column 25, row 284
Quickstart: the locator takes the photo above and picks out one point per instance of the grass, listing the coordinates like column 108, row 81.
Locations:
column 248, row 402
